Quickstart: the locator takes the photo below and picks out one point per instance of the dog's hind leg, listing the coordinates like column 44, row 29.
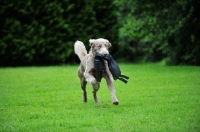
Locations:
column 95, row 89
column 83, row 83
column 83, row 86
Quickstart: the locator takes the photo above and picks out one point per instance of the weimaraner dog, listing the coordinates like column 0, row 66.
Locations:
column 86, row 70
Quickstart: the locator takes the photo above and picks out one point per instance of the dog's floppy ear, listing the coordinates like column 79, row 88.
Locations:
column 109, row 44
column 91, row 42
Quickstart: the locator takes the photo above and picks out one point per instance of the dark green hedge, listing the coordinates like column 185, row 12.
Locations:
column 42, row 32
column 154, row 30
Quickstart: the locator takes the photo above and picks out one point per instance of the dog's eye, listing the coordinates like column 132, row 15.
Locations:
column 99, row 46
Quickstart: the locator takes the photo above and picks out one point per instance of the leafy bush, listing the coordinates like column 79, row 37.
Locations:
column 155, row 30
column 43, row 32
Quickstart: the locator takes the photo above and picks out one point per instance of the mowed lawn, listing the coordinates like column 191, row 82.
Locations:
column 49, row 99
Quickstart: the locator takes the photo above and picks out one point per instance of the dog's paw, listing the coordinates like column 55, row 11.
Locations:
column 94, row 81
column 116, row 103
column 91, row 80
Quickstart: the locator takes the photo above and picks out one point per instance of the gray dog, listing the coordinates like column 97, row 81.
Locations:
column 86, row 70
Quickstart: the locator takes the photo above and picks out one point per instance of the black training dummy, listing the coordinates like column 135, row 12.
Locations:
column 99, row 66
column 113, row 67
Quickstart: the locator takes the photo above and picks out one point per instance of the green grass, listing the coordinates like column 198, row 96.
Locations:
column 156, row 98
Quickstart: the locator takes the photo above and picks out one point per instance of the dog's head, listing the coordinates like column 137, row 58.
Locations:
column 100, row 46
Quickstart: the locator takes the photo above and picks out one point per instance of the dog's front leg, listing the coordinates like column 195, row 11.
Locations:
column 90, row 78
column 88, row 71
column 109, row 82
column 95, row 89
column 112, row 90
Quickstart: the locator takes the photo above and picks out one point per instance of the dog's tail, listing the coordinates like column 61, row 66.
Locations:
column 80, row 50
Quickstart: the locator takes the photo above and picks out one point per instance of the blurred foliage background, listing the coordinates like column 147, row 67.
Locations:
column 43, row 32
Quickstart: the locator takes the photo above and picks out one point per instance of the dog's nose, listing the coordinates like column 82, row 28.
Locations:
column 105, row 54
